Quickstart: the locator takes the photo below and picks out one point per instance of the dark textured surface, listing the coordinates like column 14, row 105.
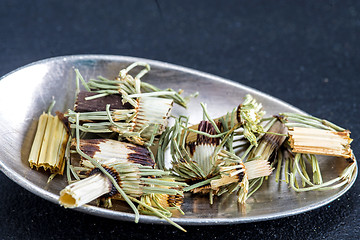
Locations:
column 306, row 53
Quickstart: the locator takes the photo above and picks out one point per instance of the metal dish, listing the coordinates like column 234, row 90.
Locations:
column 27, row 91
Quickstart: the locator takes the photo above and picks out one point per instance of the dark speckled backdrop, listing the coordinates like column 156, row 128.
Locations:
column 306, row 53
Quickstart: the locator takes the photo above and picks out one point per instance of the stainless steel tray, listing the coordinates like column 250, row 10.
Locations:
column 26, row 92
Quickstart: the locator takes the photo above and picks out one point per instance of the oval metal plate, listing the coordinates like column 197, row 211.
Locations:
column 26, row 92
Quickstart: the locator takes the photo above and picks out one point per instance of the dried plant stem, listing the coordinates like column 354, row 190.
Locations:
column 249, row 113
column 163, row 145
column 269, row 142
column 317, row 178
column 311, row 121
column 128, row 85
column 322, row 142
column 278, row 167
column 84, row 191
column 98, row 165
column 303, row 170
column 49, row 146
column 300, row 171
column 157, row 213
column 344, row 178
column 253, row 188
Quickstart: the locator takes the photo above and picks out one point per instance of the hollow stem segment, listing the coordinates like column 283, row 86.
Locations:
column 49, row 145
column 310, row 136
column 320, row 142
column 85, row 191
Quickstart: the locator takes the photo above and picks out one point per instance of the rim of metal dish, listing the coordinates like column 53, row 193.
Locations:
column 112, row 214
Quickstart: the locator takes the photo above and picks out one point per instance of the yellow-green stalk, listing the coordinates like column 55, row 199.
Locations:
column 49, row 145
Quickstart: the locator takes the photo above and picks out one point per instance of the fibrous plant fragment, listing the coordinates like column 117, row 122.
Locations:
column 48, row 148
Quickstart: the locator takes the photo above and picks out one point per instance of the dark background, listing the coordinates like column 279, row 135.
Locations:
column 306, row 53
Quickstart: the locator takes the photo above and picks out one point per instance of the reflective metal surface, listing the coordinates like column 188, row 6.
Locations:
column 27, row 92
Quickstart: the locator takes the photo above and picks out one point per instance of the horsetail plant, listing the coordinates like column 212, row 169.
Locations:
column 49, row 146
column 193, row 163
column 270, row 142
column 165, row 203
column 321, row 142
column 120, row 174
column 135, row 180
column 310, row 136
column 247, row 115
column 135, row 124
column 125, row 84
column 232, row 154
column 235, row 174
column 202, row 164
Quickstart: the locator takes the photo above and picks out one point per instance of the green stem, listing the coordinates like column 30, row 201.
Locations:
column 200, row 184
column 80, row 77
column 278, row 168
column 157, row 213
column 209, row 118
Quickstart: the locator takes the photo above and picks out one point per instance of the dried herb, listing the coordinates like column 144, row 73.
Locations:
column 310, row 136
column 127, row 85
column 48, row 148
